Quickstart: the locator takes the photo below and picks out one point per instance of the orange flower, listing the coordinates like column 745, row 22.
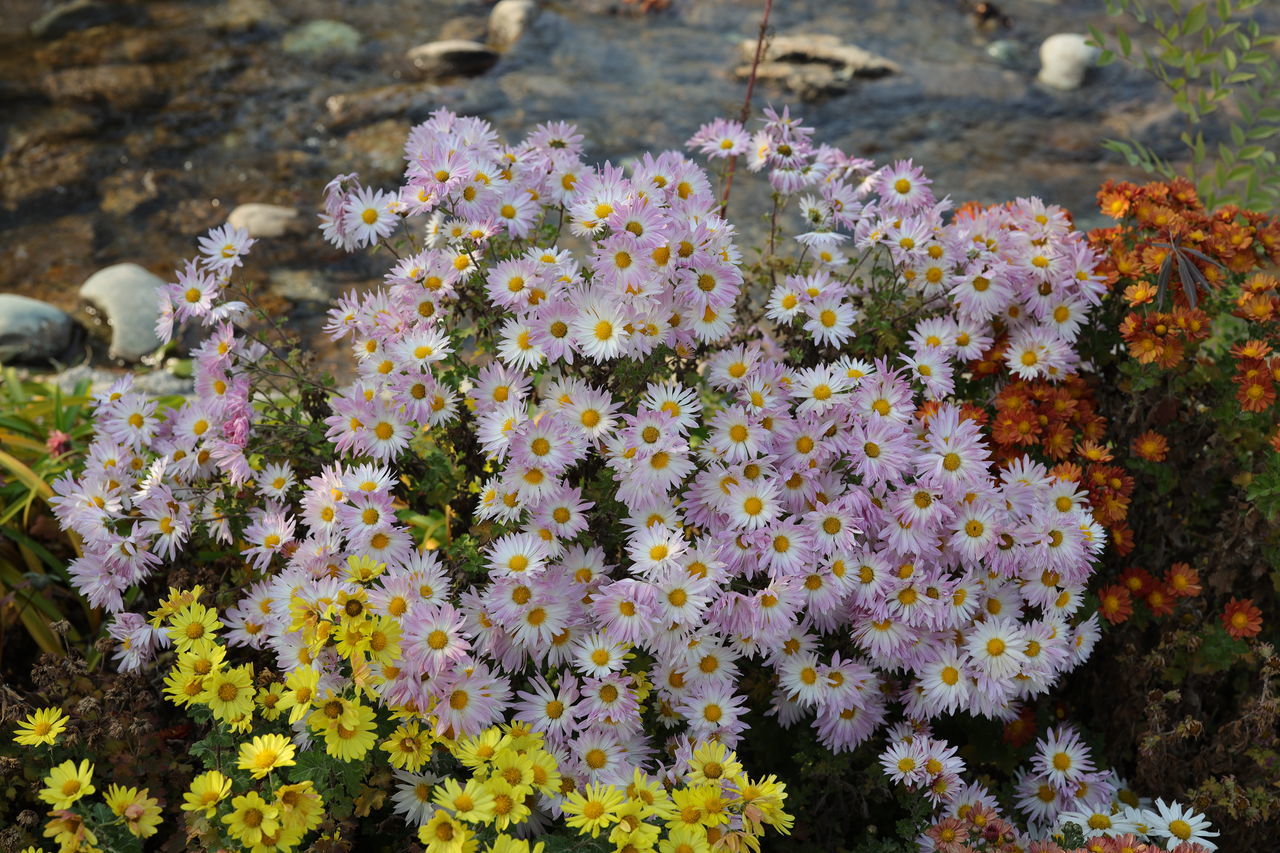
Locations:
column 1253, row 349
column 1115, row 604
column 1182, row 580
column 1019, row 732
column 1140, row 293
column 1151, row 446
column 1242, row 619
column 1159, row 599
column 1256, row 393
column 1094, row 452
column 1137, row 581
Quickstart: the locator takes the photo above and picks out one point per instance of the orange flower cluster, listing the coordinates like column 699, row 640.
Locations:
column 1160, row 595
column 1160, row 219
column 1171, row 214
column 1161, row 337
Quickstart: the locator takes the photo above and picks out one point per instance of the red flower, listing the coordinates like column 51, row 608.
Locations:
column 1160, row 599
column 1151, row 446
column 1242, row 619
column 1182, row 580
column 1115, row 604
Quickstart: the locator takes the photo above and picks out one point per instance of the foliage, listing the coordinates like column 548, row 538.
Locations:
column 1217, row 65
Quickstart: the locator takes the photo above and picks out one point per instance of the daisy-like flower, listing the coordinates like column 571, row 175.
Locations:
column 264, row 754
column 1179, row 825
column 67, row 783
column 1062, row 758
column 367, row 216
column 517, row 555
column 41, row 727
column 1242, row 619
column 223, row 246
column 600, row 331
column 995, row 647
column 830, row 320
column 206, row 791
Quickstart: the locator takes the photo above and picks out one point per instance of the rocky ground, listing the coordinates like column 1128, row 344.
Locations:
column 130, row 127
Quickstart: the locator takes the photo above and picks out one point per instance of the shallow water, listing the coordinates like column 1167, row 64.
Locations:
column 125, row 140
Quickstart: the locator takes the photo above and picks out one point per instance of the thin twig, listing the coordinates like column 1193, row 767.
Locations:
column 746, row 103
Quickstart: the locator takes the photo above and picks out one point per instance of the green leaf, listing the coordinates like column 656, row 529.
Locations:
column 1126, row 44
column 1196, row 19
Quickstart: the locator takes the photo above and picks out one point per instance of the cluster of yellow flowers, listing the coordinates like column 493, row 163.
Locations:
column 507, row 771
column 68, row 784
column 715, row 806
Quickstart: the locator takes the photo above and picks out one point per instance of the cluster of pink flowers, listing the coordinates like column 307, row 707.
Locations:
column 1020, row 265
column 772, row 512
column 1062, row 787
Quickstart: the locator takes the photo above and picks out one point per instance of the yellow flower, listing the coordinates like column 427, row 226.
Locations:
column 509, row 801
column 546, row 775
column 476, row 752
column 364, row 569
column 207, row 790
column 472, row 803
column 408, row 747
column 506, row 844
column 268, row 700
column 177, row 599
column 348, row 743
column 592, row 810
column 300, row 690
column 252, row 818
column 266, row 753
column 685, row 839
column 67, row 783
column 42, row 727
column 761, row 803
column 445, row 834
column 713, row 761
column 202, row 657
column 301, row 807
column 68, row 831
column 651, row 793
column 515, row 768
column 192, row 622
column 631, row 832
column 141, row 813
column 229, row 693
column 183, row 688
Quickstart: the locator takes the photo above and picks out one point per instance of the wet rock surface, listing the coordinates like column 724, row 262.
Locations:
column 124, row 136
column 31, row 331
column 125, row 294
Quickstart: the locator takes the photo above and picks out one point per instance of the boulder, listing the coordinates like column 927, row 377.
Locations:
column 820, row 49
column 812, row 66
column 125, row 294
column 321, row 39
column 31, row 331
column 508, row 21
column 1065, row 58
column 370, row 105
column 452, row 58
column 265, row 220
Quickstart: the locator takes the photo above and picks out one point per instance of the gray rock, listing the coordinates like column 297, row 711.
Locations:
column 323, row 38
column 1007, row 52
column 300, row 286
column 508, row 21
column 126, row 295
column 812, row 66
column 820, row 49
column 452, row 58
column 77, row 15
column 1065, row 58
column 369, row 105
column 31, row 330
column 265, row 220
